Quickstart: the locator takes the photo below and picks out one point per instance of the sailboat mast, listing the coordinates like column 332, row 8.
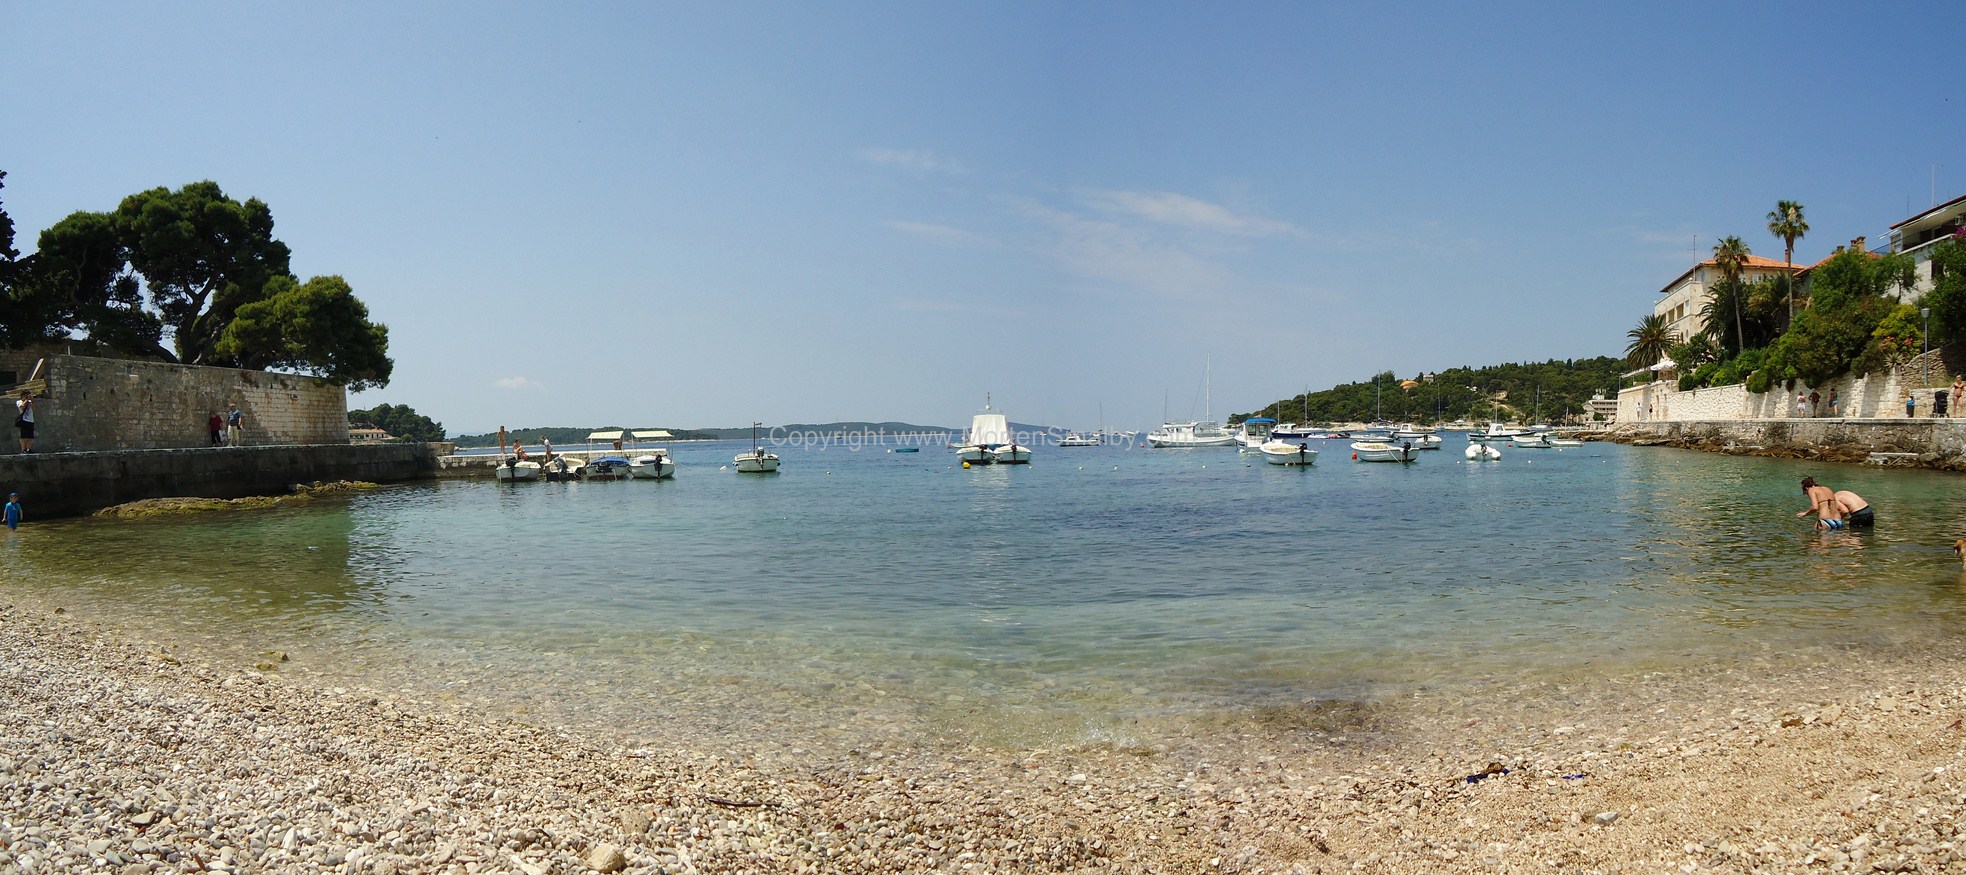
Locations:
column 1208, row 388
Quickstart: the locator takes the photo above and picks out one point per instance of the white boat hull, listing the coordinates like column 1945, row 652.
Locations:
column 1565, row 442
column 652, row 468
column 1011, row 454
column 516, row 472
column 1532, row 442
column 1482, row 453
column 974, row 455
column 1286, row 453
column 756, row 462
column 1374, row 451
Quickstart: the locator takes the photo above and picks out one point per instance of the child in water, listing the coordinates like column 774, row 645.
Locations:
column 13, row 511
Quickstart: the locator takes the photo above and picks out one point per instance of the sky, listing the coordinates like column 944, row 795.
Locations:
column 703, row 215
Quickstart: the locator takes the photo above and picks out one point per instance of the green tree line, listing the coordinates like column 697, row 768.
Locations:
column 188, row 276
column 1551, row 390
column 400, row 421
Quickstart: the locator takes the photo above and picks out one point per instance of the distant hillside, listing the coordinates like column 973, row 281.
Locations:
column 1552, row 390
column 571, row 436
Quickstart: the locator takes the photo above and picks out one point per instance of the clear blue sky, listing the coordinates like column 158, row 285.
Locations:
column 700, row 215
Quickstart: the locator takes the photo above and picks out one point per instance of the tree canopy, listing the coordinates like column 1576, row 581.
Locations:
column 197, row 270
column 1534, row 390
column 401, row 421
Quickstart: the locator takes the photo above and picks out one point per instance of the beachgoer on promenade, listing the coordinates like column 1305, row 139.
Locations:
column 1939, row 402
column 1911, row 404
column 518, row 451
column 1822, row 503
column 1958, row 393
column 13, row 511
column 1815, row 403
column 217, row 427
column 548, row 443
column 1834, row 412
column 1856, row 511
column 24, row 420
column 1801, row 404
column 234, row 424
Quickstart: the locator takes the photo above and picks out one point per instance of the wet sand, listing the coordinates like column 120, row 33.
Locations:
column 124, row 755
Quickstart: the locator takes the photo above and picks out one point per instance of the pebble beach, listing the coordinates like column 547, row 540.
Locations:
column 128, row 755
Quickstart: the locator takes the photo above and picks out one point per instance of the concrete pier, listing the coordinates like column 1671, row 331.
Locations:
column 72, row 484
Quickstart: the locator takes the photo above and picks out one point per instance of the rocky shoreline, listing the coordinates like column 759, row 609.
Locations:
column 1886, row 443
column 120, row 757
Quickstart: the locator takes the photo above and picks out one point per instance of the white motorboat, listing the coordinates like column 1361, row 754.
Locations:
column 1422, row 438
column 1496, row 432
column 1191, row 434
column 1565, row 442
column 516, row 470
column 1532, row 442
column 1291, row 431
column 1077, row 439
column 1255, row 432
column 1380, row 451
column 652, row 465
column 1011, row 454
column 1483, row 453
column 757, row 461
column 1288, row 453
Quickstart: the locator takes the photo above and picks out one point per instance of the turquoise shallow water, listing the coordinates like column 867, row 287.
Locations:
column 1098, row 593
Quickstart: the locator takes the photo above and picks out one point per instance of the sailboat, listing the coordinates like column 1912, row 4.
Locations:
column 1296, row 431
column 756, row 461
column 1205, row 432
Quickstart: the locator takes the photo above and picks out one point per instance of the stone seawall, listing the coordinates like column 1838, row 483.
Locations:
column 1914, row 442
column 72, row 484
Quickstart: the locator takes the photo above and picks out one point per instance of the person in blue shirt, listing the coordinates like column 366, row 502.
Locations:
column 13, row 511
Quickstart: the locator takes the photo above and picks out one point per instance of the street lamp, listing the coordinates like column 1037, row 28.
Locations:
column 1927, row 313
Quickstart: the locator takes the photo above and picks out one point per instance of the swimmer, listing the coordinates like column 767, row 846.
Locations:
column 1822, row 503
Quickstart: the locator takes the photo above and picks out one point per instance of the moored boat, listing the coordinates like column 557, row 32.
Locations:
column 757, row 461
column 1255, row 432
column 516, row 470
column 1482, row 453
column 1532, row 442
column 1298, row 453
column 1078, row 439
column 1380, row 451
column 606, row 468
column 652, row 465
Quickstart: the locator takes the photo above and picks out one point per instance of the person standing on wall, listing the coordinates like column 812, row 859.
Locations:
column 1834, row 412
column 1958, row 393
column 216, row 426
column 24, row 420
column 1911, row 403
column 234, row 424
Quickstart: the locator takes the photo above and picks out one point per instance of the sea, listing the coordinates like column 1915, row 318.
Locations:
column 1102, row 594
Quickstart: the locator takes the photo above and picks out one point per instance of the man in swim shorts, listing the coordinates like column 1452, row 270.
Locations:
column 1856, row 511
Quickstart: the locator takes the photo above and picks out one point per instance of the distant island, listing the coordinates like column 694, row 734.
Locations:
column 571, row 436
column 1534, row 391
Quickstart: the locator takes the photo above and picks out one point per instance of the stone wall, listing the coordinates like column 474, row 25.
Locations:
column 71, row 484
column 1868, row 397
column 113, row 404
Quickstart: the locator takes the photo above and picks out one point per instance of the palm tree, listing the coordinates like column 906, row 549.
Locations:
column 1650, row 341
column 1731, row 256
column 1785, row 222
